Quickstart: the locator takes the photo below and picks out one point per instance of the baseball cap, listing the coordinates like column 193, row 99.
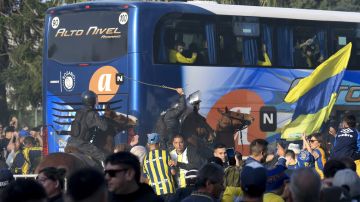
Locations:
column 294, row 147
column 153, row 138
column 349, row 178
column 276, row 177
column 24, row 133
column 5, row 177
column 253, row 179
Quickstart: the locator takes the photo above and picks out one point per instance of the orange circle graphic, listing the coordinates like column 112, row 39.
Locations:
column 240, row 99
column 103, row 83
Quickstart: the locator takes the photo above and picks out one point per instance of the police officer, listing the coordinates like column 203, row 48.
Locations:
column 172, row 117
column 90, row 123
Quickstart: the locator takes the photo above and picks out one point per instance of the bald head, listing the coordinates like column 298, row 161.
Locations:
column 305, row 185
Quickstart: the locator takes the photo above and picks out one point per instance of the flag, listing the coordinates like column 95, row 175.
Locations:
column 316, row 95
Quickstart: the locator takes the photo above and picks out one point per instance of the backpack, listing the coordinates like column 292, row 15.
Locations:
column 76, row 124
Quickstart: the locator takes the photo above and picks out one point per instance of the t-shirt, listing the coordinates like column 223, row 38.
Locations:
column 305, row 159
column 345, row 144
column 271, row 197
column 320, row 162
column 157, row 171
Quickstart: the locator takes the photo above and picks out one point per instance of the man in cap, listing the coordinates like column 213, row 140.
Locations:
column 157, row 167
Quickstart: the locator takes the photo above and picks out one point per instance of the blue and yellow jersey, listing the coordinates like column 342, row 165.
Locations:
column 320, row 162
column 157, row 171
column 305, row 159
column 26, row 160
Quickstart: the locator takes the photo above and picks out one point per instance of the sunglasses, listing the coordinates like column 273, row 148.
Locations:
column 312, row 141
column 112, row 173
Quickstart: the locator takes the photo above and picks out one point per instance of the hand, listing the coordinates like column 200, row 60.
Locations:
column 172, row 163
column 180, row 91
column 16, row 134
column 332, row 131
column 173, row 171
column 134, row 140
column 303, row 136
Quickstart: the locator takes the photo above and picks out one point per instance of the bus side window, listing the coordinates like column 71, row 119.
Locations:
column 344, row 34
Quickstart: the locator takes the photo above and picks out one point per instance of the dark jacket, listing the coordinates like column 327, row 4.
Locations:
column 173, row 114
column 195, row 160
column 57, row 198
column 182, row 193
column 144, row 193
column 90, row 123
column 345, row 144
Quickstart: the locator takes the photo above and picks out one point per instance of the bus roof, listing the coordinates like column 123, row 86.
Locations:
column 241, row 10
column 272, row 12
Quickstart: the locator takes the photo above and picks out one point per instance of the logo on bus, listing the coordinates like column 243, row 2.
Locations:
column 123, row 18
column 103, row 83
column 55, row 22
column 68, row 81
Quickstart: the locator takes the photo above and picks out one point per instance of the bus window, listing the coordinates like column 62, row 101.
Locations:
column 344, row 34
column 181, row 39
column 91, row 36
column 310, row 45
column 244, row 41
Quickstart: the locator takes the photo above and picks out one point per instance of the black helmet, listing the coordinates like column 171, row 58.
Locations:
column 88, row 98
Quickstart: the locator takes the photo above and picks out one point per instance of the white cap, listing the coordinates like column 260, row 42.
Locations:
column 294, row 147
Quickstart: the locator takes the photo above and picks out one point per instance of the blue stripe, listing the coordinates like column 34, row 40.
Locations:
column 318, row 97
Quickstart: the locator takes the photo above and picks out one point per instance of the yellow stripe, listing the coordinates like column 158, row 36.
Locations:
column 158, row 165
column 26, row 165
column 182, row 182
column 308, row 123
column 332, row 66
column 153, row 171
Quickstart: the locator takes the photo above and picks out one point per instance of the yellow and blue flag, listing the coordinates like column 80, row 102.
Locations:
column 316, row 95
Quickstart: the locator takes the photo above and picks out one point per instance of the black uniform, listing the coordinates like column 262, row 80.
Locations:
column 90, row 125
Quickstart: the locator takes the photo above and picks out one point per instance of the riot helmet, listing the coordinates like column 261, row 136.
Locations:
column 89, row 98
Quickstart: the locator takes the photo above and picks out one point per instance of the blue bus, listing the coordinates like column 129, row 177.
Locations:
column 246, row 59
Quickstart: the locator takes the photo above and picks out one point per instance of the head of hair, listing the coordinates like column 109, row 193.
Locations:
column 177, row 136
column 179, row 43
column 219, row 146
column 125, row 158
column 216, row 160
column 209, row 172
column 86, row 184
column 349, row 163
column 28, row 140
column 350, row 120
column 55, row 174
column 290, row 153
column 22, row 190
column 258, row 146
column 305, row 190
column 332, row 166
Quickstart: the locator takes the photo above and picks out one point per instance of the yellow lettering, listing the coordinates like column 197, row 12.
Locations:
column 94, row 28
column 60, row 31
column 79, row 32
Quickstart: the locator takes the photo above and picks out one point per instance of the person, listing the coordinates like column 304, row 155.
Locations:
column 253, row 182
column 27, row 158
column 171, row 119
column 90, row 122
column 350, row 180
column 176, row 54
column 86, row 185
column 275, row 184
column 220, row 152
column 264, row 59
column 232, row 172
column 158, row 168
column 291, row 160
column 258, row 151
column 52, row 179
column 346, row 140
column 122, row 174
column 181, row 193
column 330, row 169
column 210, row 184
column 313, row 146
column 6, row 177
column 186, row 158
column 304, row 190
column 23, row 190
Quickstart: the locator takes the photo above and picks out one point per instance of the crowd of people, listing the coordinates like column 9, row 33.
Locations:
column 174, row 169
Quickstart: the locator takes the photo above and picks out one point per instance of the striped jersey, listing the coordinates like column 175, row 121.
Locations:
column 320, row 162
column 157, row 171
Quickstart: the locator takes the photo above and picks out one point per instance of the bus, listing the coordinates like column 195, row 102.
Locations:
column 246, row 59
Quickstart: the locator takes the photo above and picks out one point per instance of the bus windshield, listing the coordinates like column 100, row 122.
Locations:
column 91, row 36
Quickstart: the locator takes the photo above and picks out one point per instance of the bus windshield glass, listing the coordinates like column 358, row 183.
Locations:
column 83, row 37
